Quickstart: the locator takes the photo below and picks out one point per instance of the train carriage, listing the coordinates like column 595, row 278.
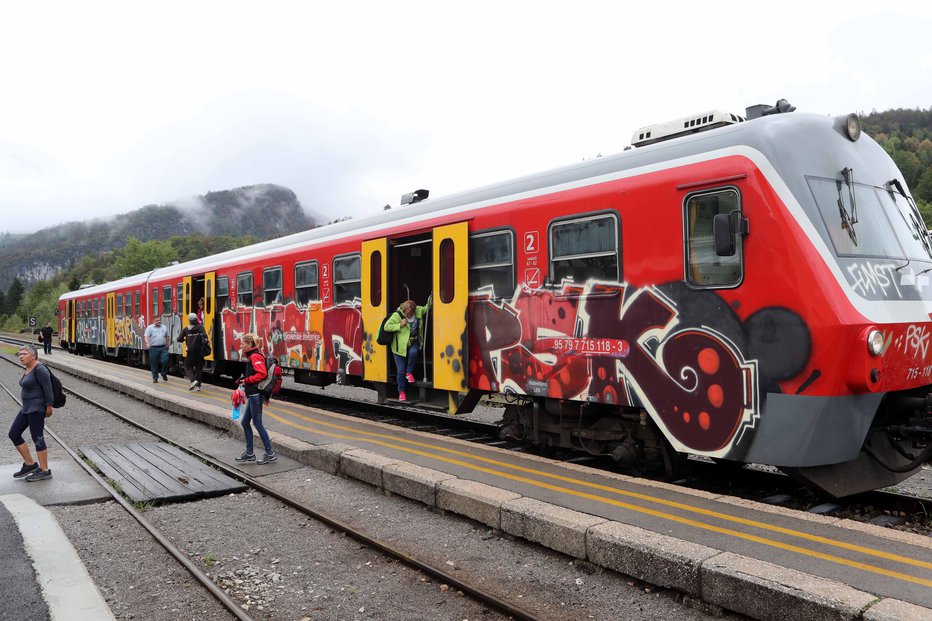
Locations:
column 747, row 290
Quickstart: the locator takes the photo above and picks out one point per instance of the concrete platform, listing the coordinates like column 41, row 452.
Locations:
column 69, row 484
column 766, row 562
column 67, row 591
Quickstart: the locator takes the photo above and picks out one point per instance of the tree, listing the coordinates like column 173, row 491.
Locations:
column 139, row 257
column 923, row 190
column 13, row 296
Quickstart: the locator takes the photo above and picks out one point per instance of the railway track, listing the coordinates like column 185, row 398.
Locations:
column 881, row 507
column 477, row 592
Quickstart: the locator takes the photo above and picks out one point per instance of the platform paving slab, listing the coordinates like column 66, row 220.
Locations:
column 414, row 482
column 763, row 590
column 69, row 484
column 364, row 466
column 895, row 610
column 652, row 557
column 326, row 457
column 66, row 586
column 553, row 527
column 477, row 501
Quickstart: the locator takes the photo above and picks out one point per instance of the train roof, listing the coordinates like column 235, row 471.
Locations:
column 771, row 135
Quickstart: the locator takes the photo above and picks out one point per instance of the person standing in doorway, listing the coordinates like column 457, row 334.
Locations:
column 193, row 336
column 408, row 327
column 46, row 334
column 200, row 311
column 156, row 341
column 36, row 396
column 255, row 372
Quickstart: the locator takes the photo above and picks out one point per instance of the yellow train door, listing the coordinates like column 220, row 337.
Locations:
column 185, row 310
column 111, row 320
column 210, row 279
column 374, row 308
column 72, row 324
column 450, row 299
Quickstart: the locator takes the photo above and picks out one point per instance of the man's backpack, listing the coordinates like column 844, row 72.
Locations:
column 272, row 383
column 383, row 337
column 204, row 345
column 58, row 393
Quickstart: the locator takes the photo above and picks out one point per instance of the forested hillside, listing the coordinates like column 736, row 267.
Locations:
column 907, row 136
column 258, row 212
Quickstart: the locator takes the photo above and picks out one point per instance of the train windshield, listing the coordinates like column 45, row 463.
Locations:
column 878, row 225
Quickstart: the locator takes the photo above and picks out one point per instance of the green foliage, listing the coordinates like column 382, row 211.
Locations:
column 137, row 257
column 13, row 296
column 13, row 323
column 907, row 136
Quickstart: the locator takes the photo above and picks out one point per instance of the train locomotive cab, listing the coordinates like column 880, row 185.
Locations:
column 793, row 332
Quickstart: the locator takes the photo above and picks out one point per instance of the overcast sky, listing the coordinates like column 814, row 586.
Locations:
column 109, row 106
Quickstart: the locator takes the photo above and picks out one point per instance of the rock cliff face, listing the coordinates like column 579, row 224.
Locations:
column 263, row 211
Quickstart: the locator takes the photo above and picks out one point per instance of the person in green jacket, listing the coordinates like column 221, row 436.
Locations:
column 408, row 326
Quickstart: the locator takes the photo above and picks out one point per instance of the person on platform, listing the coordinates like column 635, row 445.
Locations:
column 255, row 372
column 193, row 336
column 36, row 396
column 408, row 325
column 46, row 338
column 155, row 339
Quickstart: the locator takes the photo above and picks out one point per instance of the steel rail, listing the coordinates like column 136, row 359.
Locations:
column 193, row 569
column 474, row 591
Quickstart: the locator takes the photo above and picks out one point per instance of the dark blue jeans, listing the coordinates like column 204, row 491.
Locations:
column 405, row 364
column 35, row 421
column 254, row 414
column 158, row 359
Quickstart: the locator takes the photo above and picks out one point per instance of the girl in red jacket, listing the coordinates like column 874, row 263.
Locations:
column 255, row 373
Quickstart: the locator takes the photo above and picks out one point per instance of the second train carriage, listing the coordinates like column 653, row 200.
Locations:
column 751, row 291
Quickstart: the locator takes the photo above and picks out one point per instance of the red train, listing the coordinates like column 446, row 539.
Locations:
column 751, row 290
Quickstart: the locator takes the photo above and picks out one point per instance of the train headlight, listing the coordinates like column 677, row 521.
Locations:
column 875, row 342
column 853, row 127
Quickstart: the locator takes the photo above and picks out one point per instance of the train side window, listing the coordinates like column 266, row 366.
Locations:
column 244, row 289
column 375, row 278
column 95, row 307
column 167, row 300
column 119, row 305
column 704, row 268
column 129, row 305
column 306, row 283
column 347, row 279
column 103, row 306
column 491, row 263
column 584, row 249
column 272, row 285
column 223, row 292
column 136, row 305
column 447, row 270
column 155, row 302
column 179, row 300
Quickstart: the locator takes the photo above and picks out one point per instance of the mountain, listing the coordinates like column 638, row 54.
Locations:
column 263, row 211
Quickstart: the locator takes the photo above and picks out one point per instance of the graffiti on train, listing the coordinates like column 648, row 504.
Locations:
column 129, row 333
column 310, row 338
column 614, row 344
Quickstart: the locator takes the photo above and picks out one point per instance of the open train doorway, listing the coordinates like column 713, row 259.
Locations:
column 410, row 277
column 200, row 299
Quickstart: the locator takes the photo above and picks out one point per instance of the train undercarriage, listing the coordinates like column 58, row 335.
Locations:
column 897, row 446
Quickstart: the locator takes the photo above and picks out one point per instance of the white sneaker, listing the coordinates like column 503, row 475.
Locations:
column 197, row 388
column 193, row 384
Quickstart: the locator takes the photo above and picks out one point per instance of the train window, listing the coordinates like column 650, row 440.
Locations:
column 871, row 235
column 155, row 303
column 179, row 300
column 244, row 289
column 491, row 263
column 447, row 271
column 136, row 305
column 95, row 307
column 102, row 305
column 119, row 305
column 306, row 283
column 584, row 249
column 272, row 285
column 703, row 266
column 167, row 300
column 375, row 278
column 129, row 305
column 223, row 292
column 347, row 279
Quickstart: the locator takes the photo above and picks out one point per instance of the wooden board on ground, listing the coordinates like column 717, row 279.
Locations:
column 158, row 472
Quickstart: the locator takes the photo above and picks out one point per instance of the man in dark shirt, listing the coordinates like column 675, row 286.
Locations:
column 193, row 336
column 46, row 334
